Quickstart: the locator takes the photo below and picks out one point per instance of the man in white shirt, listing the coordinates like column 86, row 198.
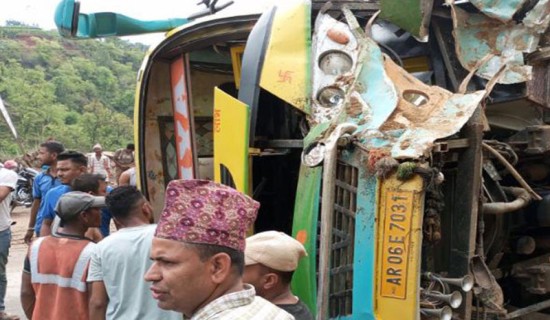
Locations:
column 99, row 163
column 8, row 181
column 120, row 261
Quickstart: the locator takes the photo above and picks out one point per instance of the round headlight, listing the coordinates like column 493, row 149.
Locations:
column 335, row 63
column 331, row 97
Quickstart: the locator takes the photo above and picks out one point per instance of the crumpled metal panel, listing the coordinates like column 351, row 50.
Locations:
column 374, row 91
column 502, row 10
column 411, row 15
column 538, row 18
column 418, row 121
column 477, row 36
column 392, row 109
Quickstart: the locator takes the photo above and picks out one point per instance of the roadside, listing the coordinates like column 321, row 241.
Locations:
column 16, row 258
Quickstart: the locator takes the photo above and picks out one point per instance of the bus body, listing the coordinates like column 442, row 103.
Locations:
column 406, row 149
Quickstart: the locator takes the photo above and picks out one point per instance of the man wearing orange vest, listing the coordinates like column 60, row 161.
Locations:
column 54, row 277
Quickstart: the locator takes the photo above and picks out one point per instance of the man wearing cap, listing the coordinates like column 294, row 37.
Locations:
column 99, row 163
column 53, row 285
column 271, row 258
column 198, row 257
column 95, row 185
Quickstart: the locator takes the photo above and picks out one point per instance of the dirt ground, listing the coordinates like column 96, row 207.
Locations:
column 15, row 261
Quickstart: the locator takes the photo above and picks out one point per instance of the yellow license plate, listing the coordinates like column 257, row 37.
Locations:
column 396, row 243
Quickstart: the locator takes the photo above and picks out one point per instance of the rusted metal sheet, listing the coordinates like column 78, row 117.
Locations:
column 374, row 94
column 411, row 15
column 478, row 36
column 502, row 10
column 424, row 114
column 539, row 17
column 391, row 108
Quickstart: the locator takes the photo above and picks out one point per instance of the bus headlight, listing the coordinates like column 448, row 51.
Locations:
column 335, row 63
column 330, row 97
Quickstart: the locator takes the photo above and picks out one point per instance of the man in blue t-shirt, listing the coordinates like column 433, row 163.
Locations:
column 70, row 164
column 43, row 182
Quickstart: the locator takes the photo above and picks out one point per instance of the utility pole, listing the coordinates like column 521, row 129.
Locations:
column 7, row 118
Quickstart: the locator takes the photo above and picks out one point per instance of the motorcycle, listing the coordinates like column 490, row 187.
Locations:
column 22, row 195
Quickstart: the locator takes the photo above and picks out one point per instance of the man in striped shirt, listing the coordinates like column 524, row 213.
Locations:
column 198, row 254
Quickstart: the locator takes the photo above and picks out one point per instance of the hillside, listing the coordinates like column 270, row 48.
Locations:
column 78, row 92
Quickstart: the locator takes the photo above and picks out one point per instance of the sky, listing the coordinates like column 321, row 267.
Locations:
column 41, row 12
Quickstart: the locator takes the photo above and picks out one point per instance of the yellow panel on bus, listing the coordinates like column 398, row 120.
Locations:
column 231, row 125
column 286, row 66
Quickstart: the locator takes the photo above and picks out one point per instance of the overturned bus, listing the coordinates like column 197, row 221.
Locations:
column 404, row 143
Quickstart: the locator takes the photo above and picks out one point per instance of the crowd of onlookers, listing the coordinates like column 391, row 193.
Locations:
column 196, row 263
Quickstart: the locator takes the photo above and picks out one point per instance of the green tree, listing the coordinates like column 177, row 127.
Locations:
column 78, row 92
